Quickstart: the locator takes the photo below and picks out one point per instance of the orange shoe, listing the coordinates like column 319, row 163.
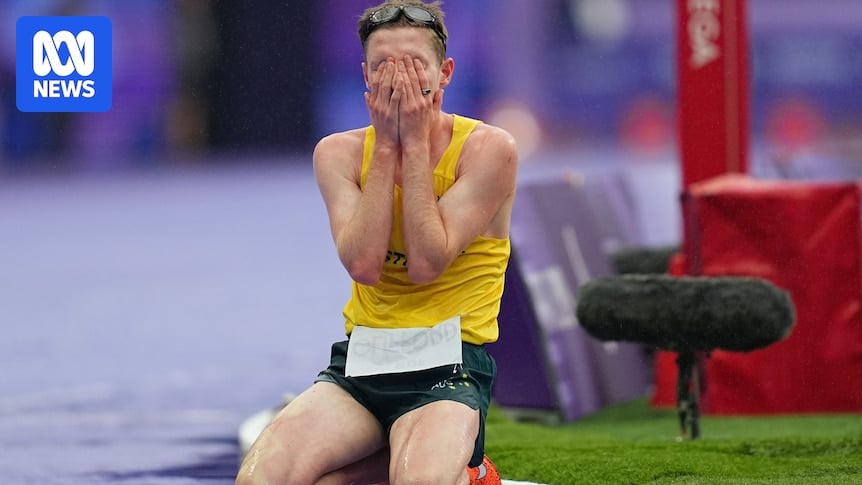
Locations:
column 484, row 474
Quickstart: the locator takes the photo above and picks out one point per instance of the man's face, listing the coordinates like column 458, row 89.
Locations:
column 397, row 42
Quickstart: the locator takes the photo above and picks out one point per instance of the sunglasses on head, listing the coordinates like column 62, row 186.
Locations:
column 416, row 14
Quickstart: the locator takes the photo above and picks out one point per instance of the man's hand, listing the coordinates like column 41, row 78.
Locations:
column 417, row 110
column 383, row 101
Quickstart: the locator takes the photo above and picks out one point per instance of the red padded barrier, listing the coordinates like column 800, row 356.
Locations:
column 807, row 239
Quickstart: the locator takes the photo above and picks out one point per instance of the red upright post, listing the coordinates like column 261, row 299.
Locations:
column 713, row 88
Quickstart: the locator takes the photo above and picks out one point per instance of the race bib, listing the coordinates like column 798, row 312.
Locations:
column 373, row 351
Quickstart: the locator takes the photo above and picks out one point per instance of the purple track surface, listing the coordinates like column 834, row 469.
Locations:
column 143, row 317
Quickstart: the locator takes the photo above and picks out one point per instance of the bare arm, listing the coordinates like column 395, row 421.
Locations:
column 361, row 218
column 435, row 232
column 360, row 221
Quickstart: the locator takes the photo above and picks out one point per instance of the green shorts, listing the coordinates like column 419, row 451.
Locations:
column 389, row 396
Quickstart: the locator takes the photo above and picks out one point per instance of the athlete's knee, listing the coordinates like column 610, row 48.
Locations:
column 252, row 470
column 260, row 470
column 249, row 476
column 427, row 475
column 281, row 477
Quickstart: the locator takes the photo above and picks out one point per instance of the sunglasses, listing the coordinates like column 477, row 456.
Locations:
column 416, row 14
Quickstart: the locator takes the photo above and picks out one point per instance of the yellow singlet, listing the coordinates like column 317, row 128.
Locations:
column 470, row 288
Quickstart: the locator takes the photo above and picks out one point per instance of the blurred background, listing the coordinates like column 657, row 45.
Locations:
column 197, row 79
column 166, row 267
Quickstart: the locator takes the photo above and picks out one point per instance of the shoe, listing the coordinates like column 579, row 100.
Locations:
column 484, row 474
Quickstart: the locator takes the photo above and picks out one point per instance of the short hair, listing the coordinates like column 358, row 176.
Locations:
column 365, row 27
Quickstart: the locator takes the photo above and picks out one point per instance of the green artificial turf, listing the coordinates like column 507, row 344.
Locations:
column 634, row 443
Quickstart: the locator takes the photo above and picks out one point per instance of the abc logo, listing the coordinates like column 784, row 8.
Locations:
column 46, row 59
column 63, row 64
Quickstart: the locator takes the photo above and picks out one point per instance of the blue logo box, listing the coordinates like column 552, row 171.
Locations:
column 63, row 64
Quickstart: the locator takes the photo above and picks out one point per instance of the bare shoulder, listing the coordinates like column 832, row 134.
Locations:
column 339, row 146
column 489, row 144
column 494, row 137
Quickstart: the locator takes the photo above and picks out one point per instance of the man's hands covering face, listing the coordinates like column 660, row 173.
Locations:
column 398, row 108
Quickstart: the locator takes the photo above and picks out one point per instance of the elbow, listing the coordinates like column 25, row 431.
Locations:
column 423, row 271
column 365, row 271
column 367, row 279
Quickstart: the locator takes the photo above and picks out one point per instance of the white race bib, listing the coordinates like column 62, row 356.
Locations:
column 373, row 351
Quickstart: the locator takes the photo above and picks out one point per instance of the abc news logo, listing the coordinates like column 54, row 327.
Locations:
column 63, row 64
column 46, row 59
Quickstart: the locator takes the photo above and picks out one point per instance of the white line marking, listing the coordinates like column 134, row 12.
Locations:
column 576, row 256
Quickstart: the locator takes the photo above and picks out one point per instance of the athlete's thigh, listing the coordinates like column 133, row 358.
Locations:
column 437, row 436
column 322, row 430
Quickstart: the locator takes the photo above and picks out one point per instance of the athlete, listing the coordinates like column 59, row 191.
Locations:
column 419, row 205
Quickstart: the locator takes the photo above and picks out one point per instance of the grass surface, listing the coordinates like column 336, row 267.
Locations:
column 634, row 443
